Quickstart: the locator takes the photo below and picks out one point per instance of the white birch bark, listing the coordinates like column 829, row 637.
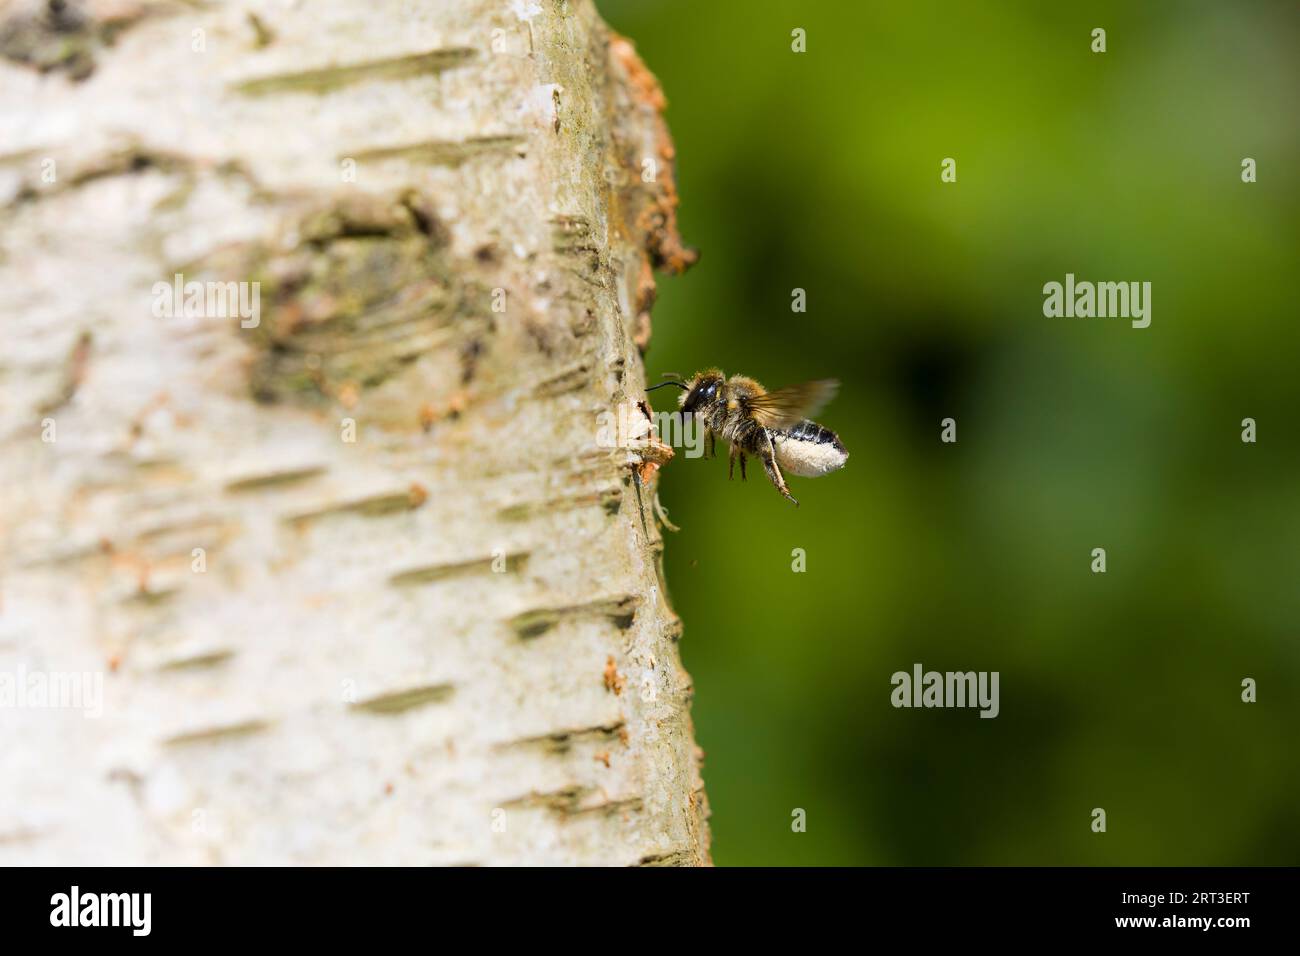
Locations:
column 444, row 642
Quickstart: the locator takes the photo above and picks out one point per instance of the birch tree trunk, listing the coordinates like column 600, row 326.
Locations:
column 353, row 573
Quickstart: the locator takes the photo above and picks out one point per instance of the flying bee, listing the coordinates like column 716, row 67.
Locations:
column 774, row 427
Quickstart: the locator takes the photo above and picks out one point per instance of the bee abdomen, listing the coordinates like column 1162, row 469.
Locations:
column 809, row 450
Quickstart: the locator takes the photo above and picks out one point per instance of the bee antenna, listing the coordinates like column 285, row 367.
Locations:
column 682, row 385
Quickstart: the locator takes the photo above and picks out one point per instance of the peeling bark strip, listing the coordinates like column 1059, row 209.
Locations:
column 332, row 78
column 359, row 580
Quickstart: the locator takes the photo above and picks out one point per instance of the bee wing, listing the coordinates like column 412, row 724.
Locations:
column 790, row 405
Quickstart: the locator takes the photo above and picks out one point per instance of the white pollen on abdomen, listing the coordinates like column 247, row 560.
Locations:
column 808, row 459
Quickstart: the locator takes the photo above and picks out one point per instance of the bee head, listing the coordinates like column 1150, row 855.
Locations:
column 702, row 391
column 698, row 392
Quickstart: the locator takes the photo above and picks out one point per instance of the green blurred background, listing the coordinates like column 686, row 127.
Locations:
column 1123, row 691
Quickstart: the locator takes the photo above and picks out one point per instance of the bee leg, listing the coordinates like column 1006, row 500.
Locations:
column 731, row 463
column 710, row 445
column 774, row 471
column 742, row 466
